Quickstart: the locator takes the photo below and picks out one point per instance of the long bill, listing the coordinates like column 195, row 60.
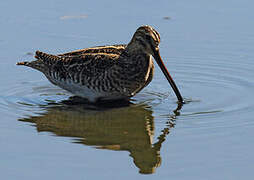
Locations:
column 159, row 61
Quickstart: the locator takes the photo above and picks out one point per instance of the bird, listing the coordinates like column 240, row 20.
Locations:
column 103, row 73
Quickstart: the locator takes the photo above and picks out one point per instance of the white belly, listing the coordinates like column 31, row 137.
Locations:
column 87, row 93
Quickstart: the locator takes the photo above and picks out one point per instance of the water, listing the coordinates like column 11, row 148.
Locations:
column 208, row 46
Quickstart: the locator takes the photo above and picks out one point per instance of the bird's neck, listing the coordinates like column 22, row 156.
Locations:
column 134, row 48
column 133, row 51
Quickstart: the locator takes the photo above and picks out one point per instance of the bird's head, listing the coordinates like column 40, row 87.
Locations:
column 146, row 38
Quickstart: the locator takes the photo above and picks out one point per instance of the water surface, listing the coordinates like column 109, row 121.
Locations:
column 208, row 47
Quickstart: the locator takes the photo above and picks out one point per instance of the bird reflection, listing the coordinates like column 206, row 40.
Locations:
column 129, row 127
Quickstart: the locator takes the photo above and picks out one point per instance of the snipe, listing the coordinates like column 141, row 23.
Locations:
column 106, row 72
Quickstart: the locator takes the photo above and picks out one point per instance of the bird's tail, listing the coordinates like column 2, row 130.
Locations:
column 42, row 63
column 37, row 64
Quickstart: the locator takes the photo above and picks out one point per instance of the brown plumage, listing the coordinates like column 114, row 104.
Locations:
column 105, row 72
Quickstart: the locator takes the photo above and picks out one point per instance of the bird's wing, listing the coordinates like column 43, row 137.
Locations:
column 113, row 49
column 90, row 64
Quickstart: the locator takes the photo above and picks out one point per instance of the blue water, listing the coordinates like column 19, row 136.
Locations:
column 208, row 47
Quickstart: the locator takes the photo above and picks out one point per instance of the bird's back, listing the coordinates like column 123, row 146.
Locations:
column 112, row 49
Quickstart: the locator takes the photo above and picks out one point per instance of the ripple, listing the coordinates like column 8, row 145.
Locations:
column 222, row 91
column 27, row 98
